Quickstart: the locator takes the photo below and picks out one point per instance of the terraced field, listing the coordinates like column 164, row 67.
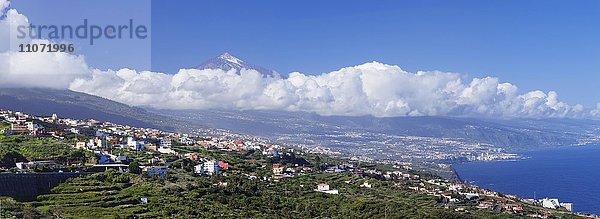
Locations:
column 96, row 196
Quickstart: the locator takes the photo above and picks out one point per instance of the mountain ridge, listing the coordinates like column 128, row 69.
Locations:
column 77, row 105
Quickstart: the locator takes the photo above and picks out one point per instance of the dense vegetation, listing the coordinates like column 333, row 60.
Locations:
column 21, row 149
column 118, row 195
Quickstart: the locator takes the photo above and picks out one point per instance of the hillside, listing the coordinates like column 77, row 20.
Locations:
column 77, row 105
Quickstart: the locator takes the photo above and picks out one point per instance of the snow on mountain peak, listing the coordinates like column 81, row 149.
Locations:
column 227, row 62
column 230, row 58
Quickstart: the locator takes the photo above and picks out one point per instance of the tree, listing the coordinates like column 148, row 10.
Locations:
column 76, row 156
column 134, row 167
column 30, row 212
column 8, row 158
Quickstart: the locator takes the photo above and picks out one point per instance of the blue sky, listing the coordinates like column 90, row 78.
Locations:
column 546, row 45
column 105, row 54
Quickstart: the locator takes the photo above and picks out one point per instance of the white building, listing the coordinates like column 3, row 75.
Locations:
column 91, row 143
column 81, row 145
column 324, row 188
column 199, row 169
column 130, row 142
column 165, row 147
column 366, row 185
column 469, row 195
column 165, row 143
column 164, row 150
column 74, row 131
column 32, row 126
column 550, row 203
column 186, row 141
column 553, row 203
column 23, row 165
column 211, row 167
column 133, row 144
column 568, row 206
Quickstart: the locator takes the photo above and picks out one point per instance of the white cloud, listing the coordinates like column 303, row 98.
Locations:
column 51, row 70
column 368, row 89
column 3, row 6
column 8, row 27
column 38, row 69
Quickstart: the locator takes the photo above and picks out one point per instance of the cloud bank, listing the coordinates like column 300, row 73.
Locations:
column 369, row 89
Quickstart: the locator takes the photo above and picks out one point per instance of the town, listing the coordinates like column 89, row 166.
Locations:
column 153, row 153
column 399, row 147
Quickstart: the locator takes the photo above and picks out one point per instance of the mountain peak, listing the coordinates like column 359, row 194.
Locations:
column 226, row 62
column 230, row 58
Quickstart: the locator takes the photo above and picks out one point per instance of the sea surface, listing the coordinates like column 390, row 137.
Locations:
column 571, row 174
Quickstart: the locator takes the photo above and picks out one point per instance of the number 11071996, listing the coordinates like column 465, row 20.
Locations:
column 46, row 47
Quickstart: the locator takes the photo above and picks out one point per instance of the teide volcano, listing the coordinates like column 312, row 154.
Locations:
column 227, row 62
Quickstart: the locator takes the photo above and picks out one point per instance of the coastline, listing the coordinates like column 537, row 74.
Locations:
column 561, row 172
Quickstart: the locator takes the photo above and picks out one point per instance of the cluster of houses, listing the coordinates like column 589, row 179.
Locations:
column 455, row 194
column 118, row 136
column 102, row 138
column 19, row 124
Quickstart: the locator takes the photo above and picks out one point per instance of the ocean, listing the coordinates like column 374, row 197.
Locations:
column 571, row 174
